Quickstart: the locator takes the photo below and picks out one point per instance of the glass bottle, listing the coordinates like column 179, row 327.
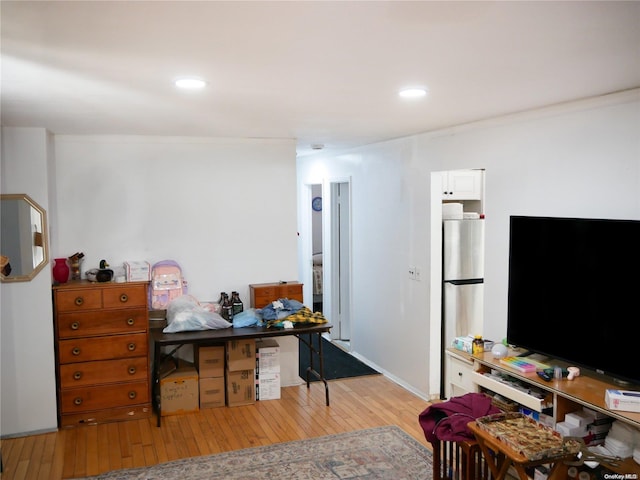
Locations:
column 236, row 304
column 227, row 309
column 478, row 344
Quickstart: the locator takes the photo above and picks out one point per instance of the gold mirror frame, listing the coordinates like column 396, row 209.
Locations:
column 24, row 237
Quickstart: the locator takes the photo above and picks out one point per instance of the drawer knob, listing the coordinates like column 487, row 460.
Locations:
column 76, row 351
column 124, row 297
column 77, row 401
column 79, row 301
column 132, row 370
column 132, row 394
column 77, row 375
column 130, row 322
column 131, row 347
column 459, row 374
column 75, row 326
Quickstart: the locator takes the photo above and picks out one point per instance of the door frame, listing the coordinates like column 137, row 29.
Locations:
column 339, row 274
column 330, row 272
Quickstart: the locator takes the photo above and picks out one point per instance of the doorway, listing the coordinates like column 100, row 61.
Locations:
column 317, row 256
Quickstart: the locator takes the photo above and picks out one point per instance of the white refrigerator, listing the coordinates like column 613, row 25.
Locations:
column 463, row 281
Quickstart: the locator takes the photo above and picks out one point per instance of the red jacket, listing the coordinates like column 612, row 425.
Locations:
column 448, row 420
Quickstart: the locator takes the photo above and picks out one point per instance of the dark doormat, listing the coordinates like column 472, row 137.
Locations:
column 337, row 362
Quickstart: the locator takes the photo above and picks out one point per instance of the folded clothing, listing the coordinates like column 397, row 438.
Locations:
column 280, row 309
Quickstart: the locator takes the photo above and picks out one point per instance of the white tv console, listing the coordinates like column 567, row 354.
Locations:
column 467, row 373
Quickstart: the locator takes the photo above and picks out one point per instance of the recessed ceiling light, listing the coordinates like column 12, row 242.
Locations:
column 413, row 92
column 190, row 83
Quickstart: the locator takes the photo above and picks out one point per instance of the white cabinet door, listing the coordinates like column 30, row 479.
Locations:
column 462, row 185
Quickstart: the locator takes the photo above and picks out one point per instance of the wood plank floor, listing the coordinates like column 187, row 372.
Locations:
column 356, row 403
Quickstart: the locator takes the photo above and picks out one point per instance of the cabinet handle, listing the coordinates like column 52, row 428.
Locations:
column 79, row 301
column 124, row 298
column 77, row 375
column 77, row 401
column 132, row 394
column 132, row 370
column 75, row 325
column 130, row 322
column 76, row 351
column 131, row 347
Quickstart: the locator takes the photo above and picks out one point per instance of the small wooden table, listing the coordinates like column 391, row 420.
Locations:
column 499, row 456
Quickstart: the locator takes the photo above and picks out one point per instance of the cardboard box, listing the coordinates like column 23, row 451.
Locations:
column 137, row 271
column 268, row 386
column 210, row 361
column 212, row 392
column 179, row 392
column 579, row 418
column 623, row 400
column 241, row 355
column 240, row 387
column 567, row 429
column 267, row 357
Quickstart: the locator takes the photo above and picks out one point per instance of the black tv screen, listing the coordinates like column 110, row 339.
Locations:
column 574, row 291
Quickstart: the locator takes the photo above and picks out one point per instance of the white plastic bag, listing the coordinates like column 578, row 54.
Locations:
column 185, row 314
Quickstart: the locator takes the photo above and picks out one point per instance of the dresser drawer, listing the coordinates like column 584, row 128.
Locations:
column 74, row 375
column 103, row 396
column 102, row 348
column 78, row 300
column 125, row 296
column 291, row 291
column 72, row 325
column 263, row 294
column 460, row 374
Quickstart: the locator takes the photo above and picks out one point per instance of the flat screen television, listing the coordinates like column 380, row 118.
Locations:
column 574, row 292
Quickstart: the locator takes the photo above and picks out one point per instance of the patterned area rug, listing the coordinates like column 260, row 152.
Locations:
column 386, row 453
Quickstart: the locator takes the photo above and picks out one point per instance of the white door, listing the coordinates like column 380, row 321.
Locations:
column 340, row 282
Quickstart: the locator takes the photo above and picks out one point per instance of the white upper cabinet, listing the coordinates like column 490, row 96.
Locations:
column 462, row 185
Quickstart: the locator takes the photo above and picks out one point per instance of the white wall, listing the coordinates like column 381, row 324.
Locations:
column 579, row 159
column 28, row 382
column 225, row 209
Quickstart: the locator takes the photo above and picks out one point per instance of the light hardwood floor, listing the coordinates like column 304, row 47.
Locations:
column 356, row 403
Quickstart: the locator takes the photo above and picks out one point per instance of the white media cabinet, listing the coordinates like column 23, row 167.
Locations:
column 467, row 373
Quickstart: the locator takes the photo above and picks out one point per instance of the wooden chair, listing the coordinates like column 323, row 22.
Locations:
column 458, row 461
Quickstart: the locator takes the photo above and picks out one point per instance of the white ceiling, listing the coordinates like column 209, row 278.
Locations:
column 320, row 72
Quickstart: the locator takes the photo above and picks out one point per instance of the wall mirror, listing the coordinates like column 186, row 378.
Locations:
column 23, row 238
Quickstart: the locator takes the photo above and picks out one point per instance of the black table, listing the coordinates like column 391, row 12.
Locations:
column 304, row 332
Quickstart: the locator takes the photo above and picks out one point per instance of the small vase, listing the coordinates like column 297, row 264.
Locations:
column 61, row 270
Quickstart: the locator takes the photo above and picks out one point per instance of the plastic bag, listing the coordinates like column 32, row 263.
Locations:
column 247, row 318
column 185, row 314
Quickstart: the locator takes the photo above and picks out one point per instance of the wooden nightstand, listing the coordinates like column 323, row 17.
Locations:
column 264, row 293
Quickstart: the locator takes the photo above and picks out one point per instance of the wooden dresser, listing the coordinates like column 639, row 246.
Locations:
column 102, row 352
column 264, row 293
